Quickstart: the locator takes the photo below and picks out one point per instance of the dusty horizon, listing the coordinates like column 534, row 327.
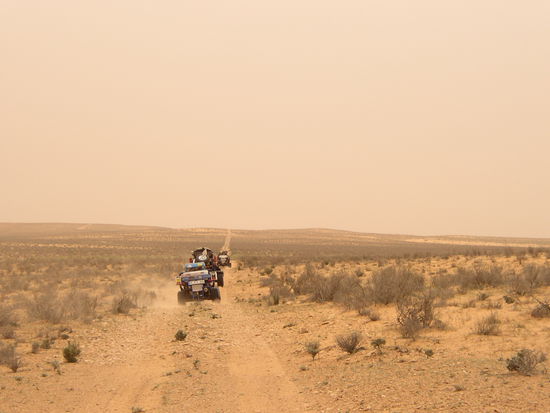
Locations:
column 384, row 117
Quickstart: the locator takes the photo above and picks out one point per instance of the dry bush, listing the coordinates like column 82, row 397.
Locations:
column 479, row 277
column 7, row 332
column 9, row 358
column 531, row 278
column 525, row 361
column 393, row 283
column 71, row 352
column 313, row 348
column 488, row 326
column 180, row 335
column 46, row 307
column 304, row 283
column 7, row 316
column 79, row 305
column 542, row 310
column 277, row 292
column 373, row 315
column 377, row 344
column 349, row 342
column 124, row 302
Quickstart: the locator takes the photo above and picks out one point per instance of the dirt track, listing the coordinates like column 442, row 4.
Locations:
column 224, row 365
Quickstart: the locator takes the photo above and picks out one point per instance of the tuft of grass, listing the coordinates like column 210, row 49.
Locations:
column 71, row 352
column 180, row 335
column 35, row 347
column 313, row 348
column 488, row 326
column 56, row 365
column 525, row 361
column 349, row 342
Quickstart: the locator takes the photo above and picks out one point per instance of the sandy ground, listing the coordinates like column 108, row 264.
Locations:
column 242, row 355
column 224, row 365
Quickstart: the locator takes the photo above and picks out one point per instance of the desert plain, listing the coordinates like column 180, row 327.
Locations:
column 309, row 321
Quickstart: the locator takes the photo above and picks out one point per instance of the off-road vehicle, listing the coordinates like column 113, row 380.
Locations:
column 198, row 282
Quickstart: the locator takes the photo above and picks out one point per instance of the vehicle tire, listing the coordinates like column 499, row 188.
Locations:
column 215, row 294
column 182, row 299
column 220, row 278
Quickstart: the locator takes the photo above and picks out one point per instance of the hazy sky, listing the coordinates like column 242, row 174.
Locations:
column 424, row 117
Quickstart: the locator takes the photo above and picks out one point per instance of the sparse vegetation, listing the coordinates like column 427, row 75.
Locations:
column 414, row 314
column 180, row 335
column 313, row 348
column 9, row 357
column 349, row 342
column 542, row 310
column 71, row 352
column 525, row 361
column 394, row 283
column 377, row 344
column 123, row 303
column 488, row 326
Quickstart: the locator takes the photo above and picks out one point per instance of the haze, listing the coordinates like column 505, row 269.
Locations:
column 424, row 117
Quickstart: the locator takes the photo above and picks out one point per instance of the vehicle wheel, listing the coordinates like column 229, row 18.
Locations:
column 182, row 299
column 215, row 293
column 220, row 279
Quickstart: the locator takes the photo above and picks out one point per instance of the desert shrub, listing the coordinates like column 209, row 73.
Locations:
column 79, row 305
column 542, row 310
column 525, row 361
column 378, row 343
column 71, row 352
column 493, row 305
column 46, row 343
column 9, row 358
column 508, row 300
column 277, row 292
column 7, row 316
column 373, row 315
column 488, row 326
column 35, row 347
column 531, row 278
column 325, row 288
column 313, row 348
column 180, row 335
column 7, row 332
column 394, row 283
column 56, row 365
column 479, row 277
column 46, row 307
column 305, row 282
column 124, row 302
column 414, row 314
column 349, row 342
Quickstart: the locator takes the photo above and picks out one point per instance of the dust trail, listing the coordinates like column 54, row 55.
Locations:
column 227, row 243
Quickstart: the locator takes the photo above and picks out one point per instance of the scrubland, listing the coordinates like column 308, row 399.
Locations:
column 312, row 320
